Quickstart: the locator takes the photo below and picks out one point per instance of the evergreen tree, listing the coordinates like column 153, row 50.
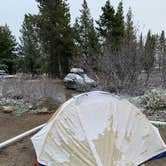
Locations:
column 149, row 56
column 162, row 52
column 130, row 34
column 7, row 49
column 141, row 43
column 106, row 23
column 131, row 47
column 85, row 35
column 129, row 58
column 141, row 50
column 76, row 33
column 162, row 40
column 111, row 24
column 56, row 35
column 162, row 43
column 121, row 47
column 30, row 52
column 119, row 25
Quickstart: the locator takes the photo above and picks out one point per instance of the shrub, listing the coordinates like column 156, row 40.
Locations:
column 154, row 100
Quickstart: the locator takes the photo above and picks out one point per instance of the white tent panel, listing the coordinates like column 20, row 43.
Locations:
column 97, row 129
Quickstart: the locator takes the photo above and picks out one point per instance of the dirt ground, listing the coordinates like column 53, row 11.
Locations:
column 22, row 153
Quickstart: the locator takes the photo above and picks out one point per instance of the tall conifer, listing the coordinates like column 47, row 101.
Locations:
column 119, row 24
column 85, row 35
column 106, row 23
column 56, row 35
column 7, row 49
column 149, row 56
column 30, row 50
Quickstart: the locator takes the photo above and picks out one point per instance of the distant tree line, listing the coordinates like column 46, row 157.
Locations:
column 8, row 54
column 111, row 46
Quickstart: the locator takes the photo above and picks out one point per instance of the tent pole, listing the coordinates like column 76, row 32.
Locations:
column 158, row 123
column 21, row 136
column 27, row 133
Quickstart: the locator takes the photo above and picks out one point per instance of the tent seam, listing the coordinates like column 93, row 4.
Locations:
column 86, row 136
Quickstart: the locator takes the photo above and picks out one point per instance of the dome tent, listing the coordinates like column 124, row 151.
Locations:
column 97, row 129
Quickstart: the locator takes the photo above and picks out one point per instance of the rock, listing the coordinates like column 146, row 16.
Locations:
column 7, row 109
column 41, row 111
column 30, row 106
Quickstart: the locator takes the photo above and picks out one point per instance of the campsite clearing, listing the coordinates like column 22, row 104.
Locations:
column 22, row 153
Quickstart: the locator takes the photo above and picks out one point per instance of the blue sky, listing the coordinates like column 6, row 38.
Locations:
column 148, row 14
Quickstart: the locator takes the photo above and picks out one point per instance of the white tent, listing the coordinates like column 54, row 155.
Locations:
column 97, row 129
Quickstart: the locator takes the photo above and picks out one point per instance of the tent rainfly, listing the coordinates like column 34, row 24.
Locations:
column 97, row 129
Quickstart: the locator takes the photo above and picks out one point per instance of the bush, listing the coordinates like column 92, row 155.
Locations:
column 19, row 106
column 154, row 100
column 49, row 104
column 46, row 105
column 32, row 96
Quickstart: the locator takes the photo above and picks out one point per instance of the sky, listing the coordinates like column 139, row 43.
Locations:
column 148, row 14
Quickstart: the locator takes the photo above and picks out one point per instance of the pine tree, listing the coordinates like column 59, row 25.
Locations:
column 130, row 35
column 76, row 33
column 56, row 35
column 141, row 43
column 111, row 24
column 30, row 50
column 141, row 50
column 7, row 49
column 149, row 56
column 162, row 43
column 106, row 23
column 85, row 35
column 162, row 52
column 119, row 25
column 129, row 53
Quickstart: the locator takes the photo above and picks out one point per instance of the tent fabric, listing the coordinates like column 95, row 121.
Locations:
column 97, row 129
column 41, row 165
column 161, row 155
column 38, row 164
